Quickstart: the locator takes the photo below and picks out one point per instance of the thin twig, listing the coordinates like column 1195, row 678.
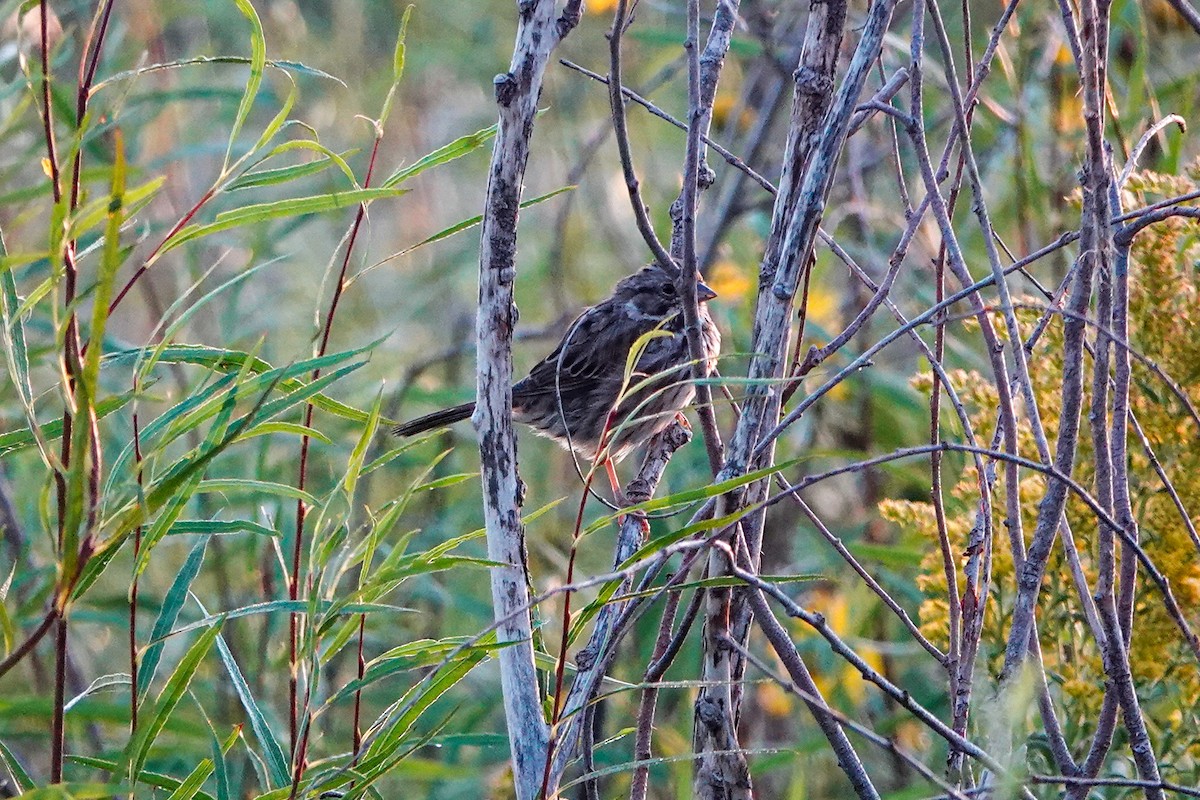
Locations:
column 730, row 158
column 589, row 660
column 621, row 131
column 862, row 730
column 899, row 695
column 646, row 705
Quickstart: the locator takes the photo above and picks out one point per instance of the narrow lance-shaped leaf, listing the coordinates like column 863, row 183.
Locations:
column 397, row 69
column 86, row 385
column 127, row 519
column 270, row 177
column 447, row 152
column 354, row 466
column 280, row 117
column 50, row 431
column 446, row 233
column 237, row 362
column 16, row 355
column 219, row 527
column 172, row 603
column 389, row 731
column 139, row 745
column 291, row 207
column 280, row 175
column 20, row 778
column 288, row 607
column 181, row 495
column 283, row 64
column 144, row 777
column 168, row 334
column 276, row 763
column 219, row 749
column 191, row 785
column 258, row 61
column 92, row 213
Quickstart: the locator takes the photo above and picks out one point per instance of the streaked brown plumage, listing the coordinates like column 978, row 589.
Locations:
column 573, row 389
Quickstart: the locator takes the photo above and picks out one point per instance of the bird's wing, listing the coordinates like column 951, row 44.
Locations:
column 584, row 357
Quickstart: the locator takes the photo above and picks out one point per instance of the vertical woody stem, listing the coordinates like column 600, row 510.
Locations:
column 517, row 92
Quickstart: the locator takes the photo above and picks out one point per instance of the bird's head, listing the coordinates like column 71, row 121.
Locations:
column 650, row 293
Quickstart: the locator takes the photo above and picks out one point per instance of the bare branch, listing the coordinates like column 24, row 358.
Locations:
column 729, row 157
column 517, row 93
column 591, row 660
column 617, row 107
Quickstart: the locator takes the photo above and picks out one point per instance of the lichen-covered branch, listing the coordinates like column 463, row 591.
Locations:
column 517, row 92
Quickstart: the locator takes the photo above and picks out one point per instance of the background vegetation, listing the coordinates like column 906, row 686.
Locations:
column 222, row 190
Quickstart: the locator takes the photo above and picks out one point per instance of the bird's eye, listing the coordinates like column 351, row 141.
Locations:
column 668, row 289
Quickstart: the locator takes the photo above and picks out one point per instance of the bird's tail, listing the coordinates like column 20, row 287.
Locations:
column 437, row 419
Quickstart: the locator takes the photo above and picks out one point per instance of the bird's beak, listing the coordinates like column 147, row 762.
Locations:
column 704, row 292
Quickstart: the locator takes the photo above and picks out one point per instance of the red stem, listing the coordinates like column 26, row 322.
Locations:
column 561, row 664
column 57, row 735
column 298, row 772
column 47, row 121
column 31, row 642
column 301, row 511
column 87, row 74
column 133, row 589
column 362, row 671
column 60, row 645
column 145, row 267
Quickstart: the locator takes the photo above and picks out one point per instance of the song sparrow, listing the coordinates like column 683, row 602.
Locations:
column 568, row 395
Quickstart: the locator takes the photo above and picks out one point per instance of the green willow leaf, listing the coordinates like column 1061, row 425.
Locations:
column 276, row 209
column 258, row 62
column 172, row 603
column 136, row 752
column 447, row 152
column 277, row 767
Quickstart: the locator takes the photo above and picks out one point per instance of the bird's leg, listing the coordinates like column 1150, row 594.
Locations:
column 682, row 420
column 620, row 497
column 611, row 471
